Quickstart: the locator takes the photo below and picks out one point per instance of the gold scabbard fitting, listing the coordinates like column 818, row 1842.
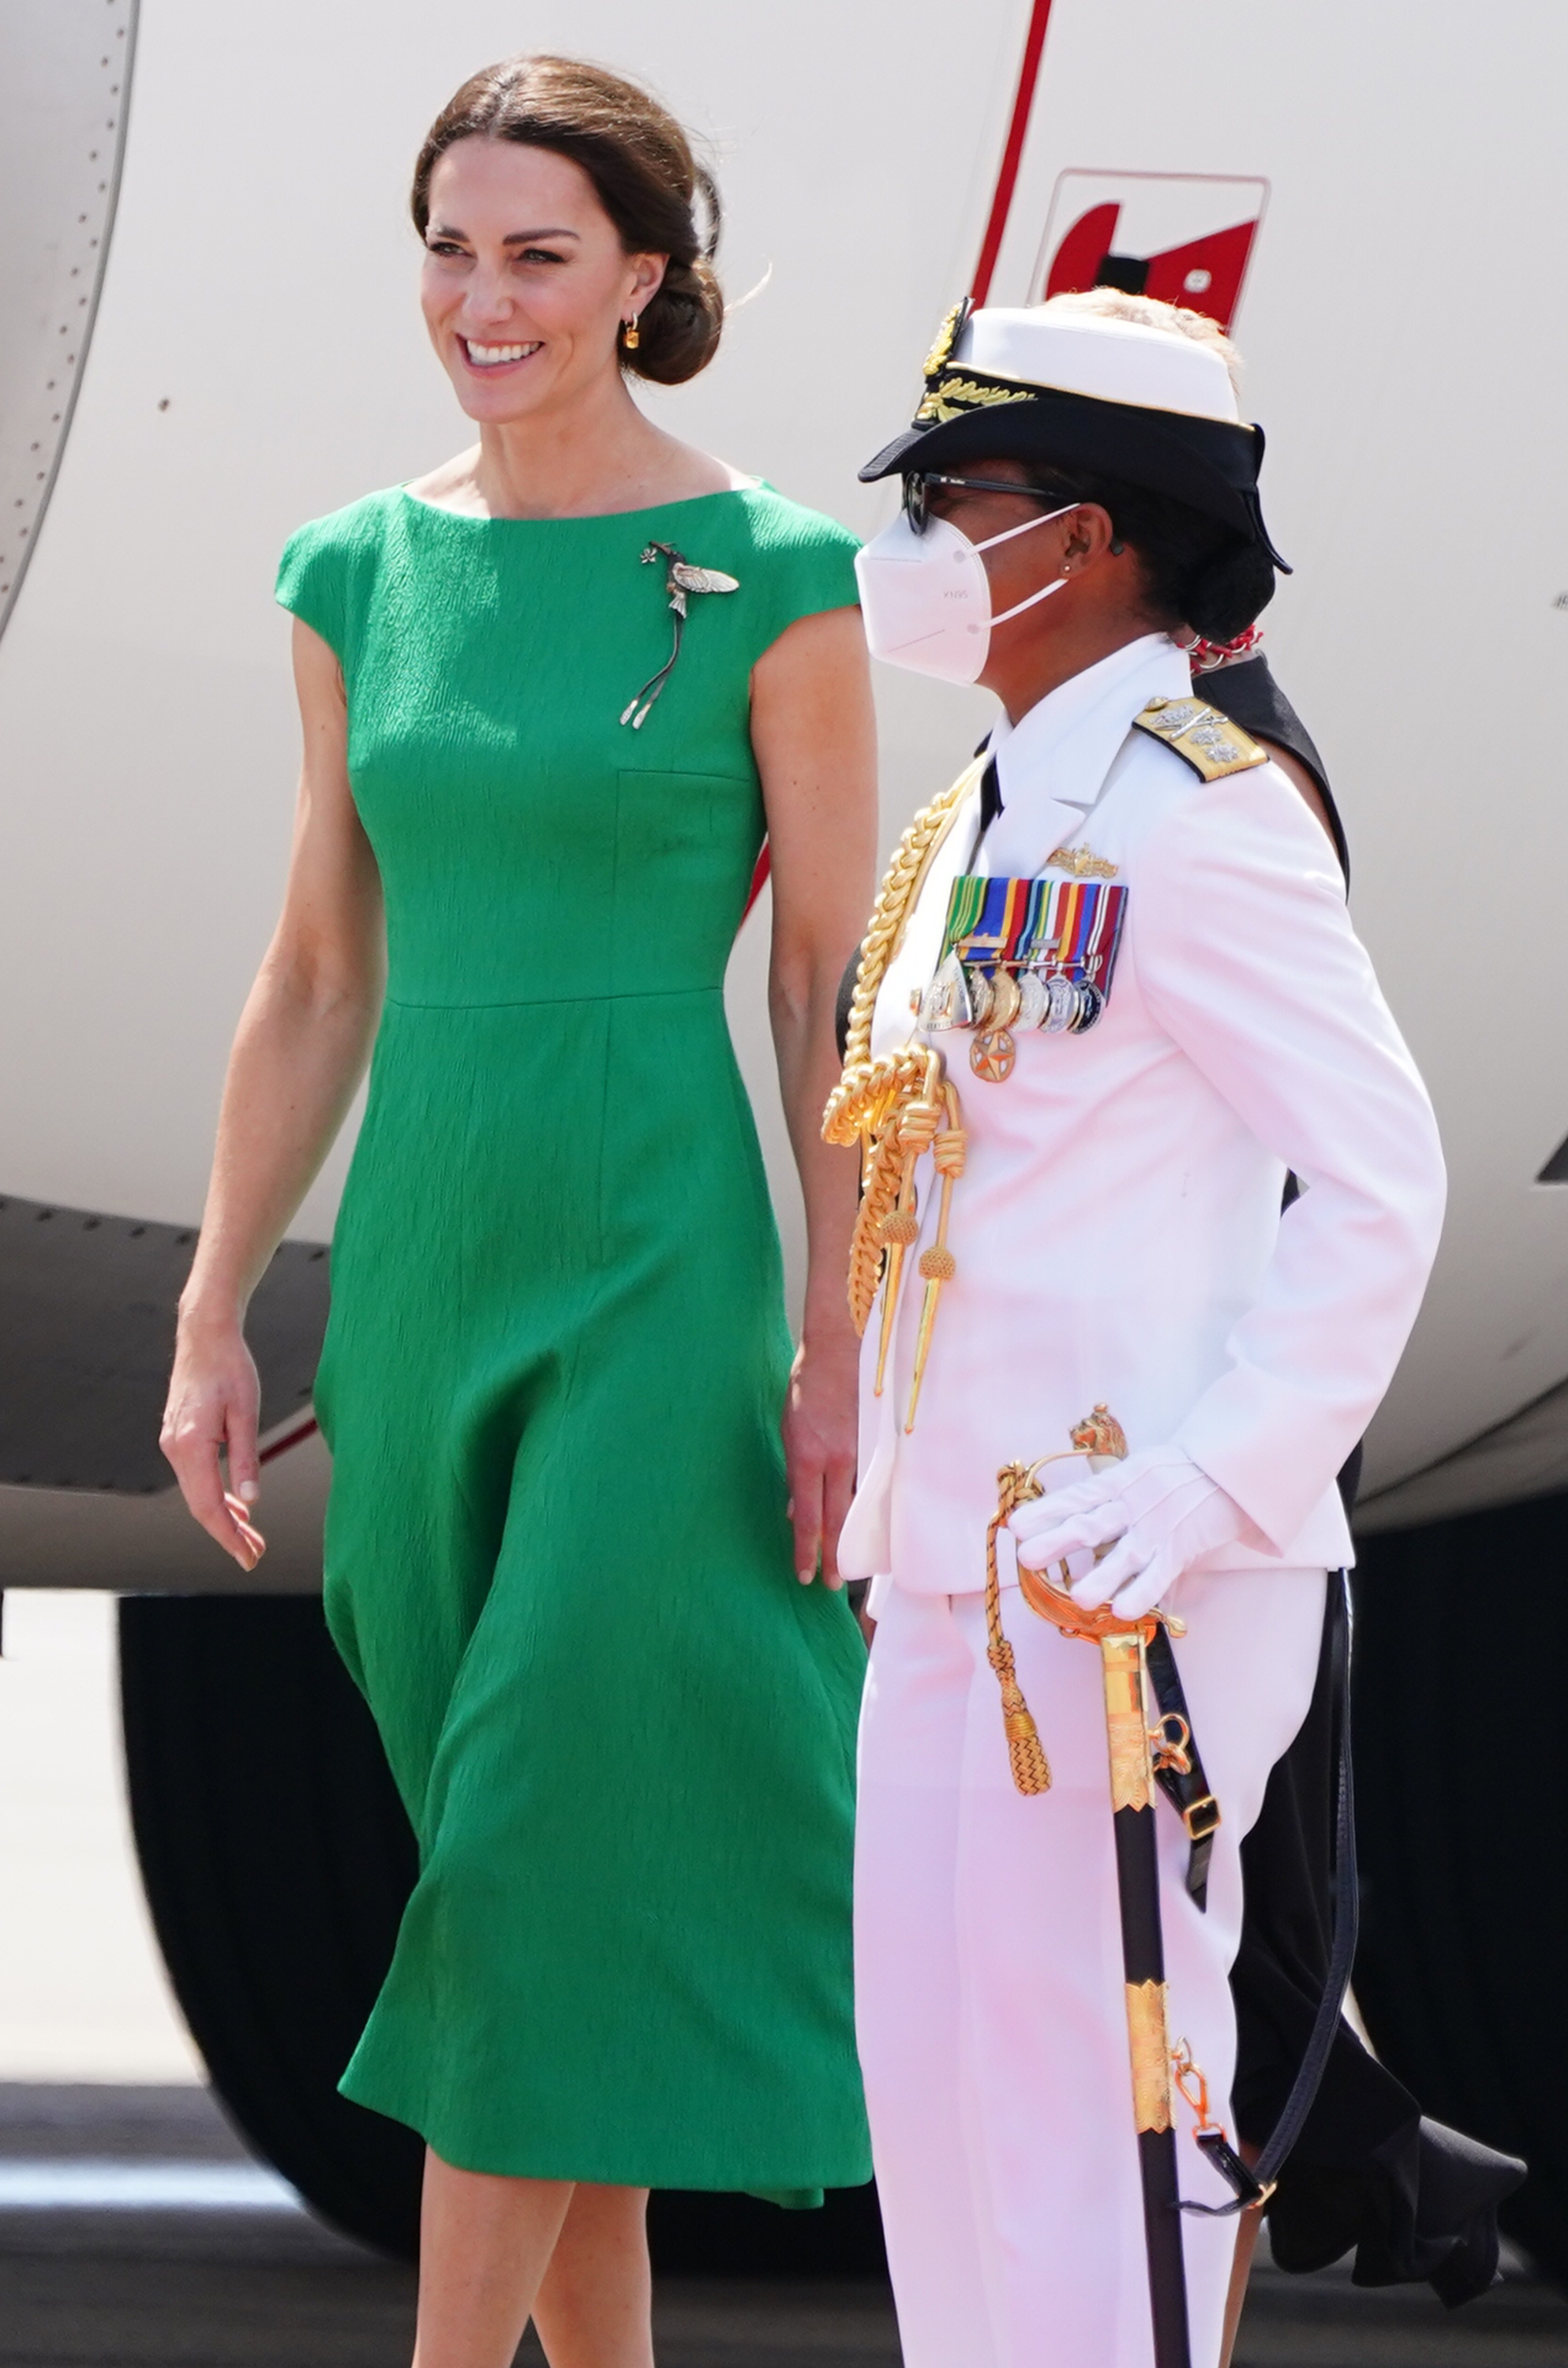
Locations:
column 1126, row 1730
column 1149, row 2045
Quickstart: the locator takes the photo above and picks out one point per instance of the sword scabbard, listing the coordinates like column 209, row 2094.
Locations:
column 1123, row 1663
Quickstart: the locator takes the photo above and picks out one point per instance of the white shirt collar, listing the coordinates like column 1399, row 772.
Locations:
column 1064, row 746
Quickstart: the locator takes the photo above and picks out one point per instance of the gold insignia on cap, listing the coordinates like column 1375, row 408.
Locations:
column 953, row 396
column 950, row 392
column 1208, row 741
column 941, row 352
column 1081, row 862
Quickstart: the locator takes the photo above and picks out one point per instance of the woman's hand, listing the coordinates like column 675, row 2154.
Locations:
column 303, row 1040
column 820, row 1425
column 214, row 1402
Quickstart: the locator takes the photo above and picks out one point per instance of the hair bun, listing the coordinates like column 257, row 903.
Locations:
column 679, row 328
column 1229, row 592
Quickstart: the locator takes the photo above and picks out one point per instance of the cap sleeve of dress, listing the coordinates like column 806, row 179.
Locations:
column 811, row 563
column 322, row 577
column 311, row 581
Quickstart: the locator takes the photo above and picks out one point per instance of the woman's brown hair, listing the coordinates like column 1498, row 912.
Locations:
column 641, row 164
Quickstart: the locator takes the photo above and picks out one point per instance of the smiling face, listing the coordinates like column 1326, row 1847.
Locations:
column 525, row 282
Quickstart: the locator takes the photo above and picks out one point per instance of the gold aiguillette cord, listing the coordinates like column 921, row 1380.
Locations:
column 916, row 1123
column 938, row 1265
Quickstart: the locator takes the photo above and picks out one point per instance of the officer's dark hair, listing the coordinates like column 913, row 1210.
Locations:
column 1197, row 571
column 661, row 200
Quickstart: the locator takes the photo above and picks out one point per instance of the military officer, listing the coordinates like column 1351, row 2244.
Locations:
column 1109, row 998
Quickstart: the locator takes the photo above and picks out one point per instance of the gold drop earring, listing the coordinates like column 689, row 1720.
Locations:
column 630, row 336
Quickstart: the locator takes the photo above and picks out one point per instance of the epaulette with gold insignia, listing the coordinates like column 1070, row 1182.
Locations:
column 1208, row 741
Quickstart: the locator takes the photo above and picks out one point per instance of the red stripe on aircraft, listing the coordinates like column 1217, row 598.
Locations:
column 1012, row 154
column 307, row 1429
column 758, row 878
column 1007, row 181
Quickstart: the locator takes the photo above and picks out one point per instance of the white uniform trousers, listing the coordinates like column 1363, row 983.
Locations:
column 989, row 1975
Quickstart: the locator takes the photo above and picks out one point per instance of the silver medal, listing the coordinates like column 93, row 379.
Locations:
column 1062, row 1004
column 1091, row 1002
column 1034, row 1001
column 946, row 1002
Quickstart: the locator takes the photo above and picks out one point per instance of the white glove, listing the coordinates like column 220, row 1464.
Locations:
column 1165, row 1513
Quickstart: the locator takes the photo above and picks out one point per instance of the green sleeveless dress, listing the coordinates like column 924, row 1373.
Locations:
column 557, row 1557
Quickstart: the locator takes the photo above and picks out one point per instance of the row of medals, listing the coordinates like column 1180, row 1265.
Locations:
column 993, row 1002
column 972, row 997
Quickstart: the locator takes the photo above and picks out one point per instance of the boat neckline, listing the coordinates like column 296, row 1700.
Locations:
column 588, row 517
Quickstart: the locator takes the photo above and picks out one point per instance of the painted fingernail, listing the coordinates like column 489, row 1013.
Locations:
column 249, row 1491
column 805, row 1577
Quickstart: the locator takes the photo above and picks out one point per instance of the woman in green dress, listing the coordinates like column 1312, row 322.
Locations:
column 566, row 1541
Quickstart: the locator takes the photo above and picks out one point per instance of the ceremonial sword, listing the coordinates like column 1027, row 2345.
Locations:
column 1142, row 1758
column 1123, row 1646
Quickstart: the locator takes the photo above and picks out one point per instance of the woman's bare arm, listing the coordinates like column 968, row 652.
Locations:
column 299, row 1053
column 815, row 736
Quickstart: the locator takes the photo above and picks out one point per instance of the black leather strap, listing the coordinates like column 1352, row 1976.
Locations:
column 1252, row 2185
column 1187, row 1789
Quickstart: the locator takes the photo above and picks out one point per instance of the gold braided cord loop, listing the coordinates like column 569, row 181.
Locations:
column 891, row 1107
column 895, row 902
column 876, row 1110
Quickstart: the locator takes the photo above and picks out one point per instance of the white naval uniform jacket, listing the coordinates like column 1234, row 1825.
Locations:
column 1118, row 1228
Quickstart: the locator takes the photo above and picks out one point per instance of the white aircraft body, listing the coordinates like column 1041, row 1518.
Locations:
column 209, row 332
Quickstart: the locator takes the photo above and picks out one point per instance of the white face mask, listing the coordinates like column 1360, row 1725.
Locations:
column 926, row 597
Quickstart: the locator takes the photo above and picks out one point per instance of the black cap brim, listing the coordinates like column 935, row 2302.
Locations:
column 1211, row 464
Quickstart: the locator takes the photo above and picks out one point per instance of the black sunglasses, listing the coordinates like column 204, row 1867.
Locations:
column 917, row 485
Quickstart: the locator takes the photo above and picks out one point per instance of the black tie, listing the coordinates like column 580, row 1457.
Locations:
column 990, row 797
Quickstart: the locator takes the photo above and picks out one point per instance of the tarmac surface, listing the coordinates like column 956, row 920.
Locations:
column 135, row 2232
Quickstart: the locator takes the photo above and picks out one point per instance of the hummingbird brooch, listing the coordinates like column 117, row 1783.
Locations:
column 681, row 580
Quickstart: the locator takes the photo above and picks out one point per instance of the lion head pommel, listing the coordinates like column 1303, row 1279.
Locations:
column 1100, row 1434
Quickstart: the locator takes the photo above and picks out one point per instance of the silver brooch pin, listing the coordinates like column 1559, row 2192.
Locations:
column 681, row 579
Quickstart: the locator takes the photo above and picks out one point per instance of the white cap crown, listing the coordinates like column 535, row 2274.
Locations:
column 1096, row 355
